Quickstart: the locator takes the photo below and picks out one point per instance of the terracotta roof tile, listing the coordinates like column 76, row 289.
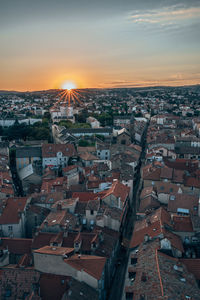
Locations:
column 182, row 223
column 54, row 250
column 193, row 266
column 52, row 287
column 84, row 196
column 42, row 239
column 148, row 203
column 93, row 265
column 51, row 150
column 166, row 173
column 13, row 207
column 184, row 201
column 16, row 245
column 118, row 189
column 157, row 276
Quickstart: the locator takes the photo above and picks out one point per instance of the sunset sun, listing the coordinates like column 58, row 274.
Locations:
column 68, row 85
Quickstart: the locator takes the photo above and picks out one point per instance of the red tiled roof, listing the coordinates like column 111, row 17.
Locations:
column 51, row 150
column 151, row 173
column 148, row 203
column 182, row 223
column 118, row 189
column 19, row 281
column 157, row 278
column 166, row 188
column 184, row 201
column 152, row 230
column 52, row 287
column 193, row 266
column 87, row 156
column 146, row 191
column 182, row 164
column 93, row 265
column 16, row 245
column 53, row 250
column 84, row 196
column 174, row 239
column 166, row 173
column 152, row 225
column 178, row 176
column 59, row 184
column 42, row 239
column 192, row 182
column 13, row 207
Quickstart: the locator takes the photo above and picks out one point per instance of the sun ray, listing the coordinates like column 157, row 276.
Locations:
column 76, row 97
column 69, row 96
column 61, row 98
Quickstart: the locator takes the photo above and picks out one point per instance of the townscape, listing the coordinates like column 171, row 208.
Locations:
column 100, row 198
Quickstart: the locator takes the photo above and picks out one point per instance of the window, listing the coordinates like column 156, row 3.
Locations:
column 76, row 244
column 129, row 295
column 94, row 245
column 195, row 208
column 131, row 275
column 92, row 212
column 10, row 228
column 8, row 293
column 133, row 260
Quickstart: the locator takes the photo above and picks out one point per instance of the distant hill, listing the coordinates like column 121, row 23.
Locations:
column 52, row 91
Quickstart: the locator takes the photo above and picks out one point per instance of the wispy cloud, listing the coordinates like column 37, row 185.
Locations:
column 175, row 79
column 168, row 15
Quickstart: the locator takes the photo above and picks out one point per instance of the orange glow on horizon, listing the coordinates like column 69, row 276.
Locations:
column 68, row 96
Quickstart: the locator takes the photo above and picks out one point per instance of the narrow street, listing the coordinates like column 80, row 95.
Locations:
column 117, row 285
column 16, row 181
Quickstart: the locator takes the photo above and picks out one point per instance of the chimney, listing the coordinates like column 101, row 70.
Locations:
column 146, row 238
column 59, row 206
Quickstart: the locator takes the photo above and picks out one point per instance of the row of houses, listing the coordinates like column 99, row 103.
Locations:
column 164, row 250
column 68, row 227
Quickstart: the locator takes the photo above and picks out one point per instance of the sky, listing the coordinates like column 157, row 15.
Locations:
column 98, row 44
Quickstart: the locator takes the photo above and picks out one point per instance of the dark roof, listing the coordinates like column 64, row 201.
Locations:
column 122, row 117
column 28, row 152
column 52, row 287
column 187, row 150
column 19, row 281
column 89, row 130
column 81, row 290
column 16, row 245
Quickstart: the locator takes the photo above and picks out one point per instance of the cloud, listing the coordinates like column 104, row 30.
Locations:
column 166, row 16
column 176, row 79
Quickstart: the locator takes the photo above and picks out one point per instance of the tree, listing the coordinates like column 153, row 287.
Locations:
column 47, row 115
column 83, row 143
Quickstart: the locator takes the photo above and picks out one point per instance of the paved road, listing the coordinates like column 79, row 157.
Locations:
column 117, row 284
column 118, row 280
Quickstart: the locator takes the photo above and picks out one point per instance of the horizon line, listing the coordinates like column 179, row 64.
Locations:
column 103, row 88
